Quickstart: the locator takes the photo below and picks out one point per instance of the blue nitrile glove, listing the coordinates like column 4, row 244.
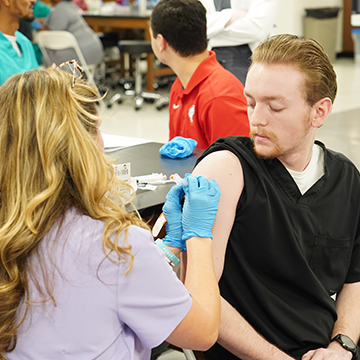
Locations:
column 178, row 147
column 173, row 214
column 200, row 207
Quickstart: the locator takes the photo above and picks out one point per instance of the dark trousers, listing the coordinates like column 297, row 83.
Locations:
column 236, row 59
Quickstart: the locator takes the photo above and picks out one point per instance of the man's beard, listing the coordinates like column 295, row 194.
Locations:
column 29, row 18
column 275, row 152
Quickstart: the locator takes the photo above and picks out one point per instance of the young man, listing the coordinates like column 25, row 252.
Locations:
column 286, row 238
column 206, row 101
column 16, row 50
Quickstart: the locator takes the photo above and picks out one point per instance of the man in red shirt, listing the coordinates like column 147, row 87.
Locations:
column 206, row 101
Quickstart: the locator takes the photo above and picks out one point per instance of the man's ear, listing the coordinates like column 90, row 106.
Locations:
column 162, row 42
column 321, row 110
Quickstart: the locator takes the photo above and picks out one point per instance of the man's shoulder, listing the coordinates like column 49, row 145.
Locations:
column 19, row 38
column 339, row 166
column 333, row 155
column 62, row 7
column 222, row 83
column 63, row 4
column 238, row 145
column 176, row 86
column 2, row 37
column 339, row 161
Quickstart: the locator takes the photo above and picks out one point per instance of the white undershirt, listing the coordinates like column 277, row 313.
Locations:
column 313, row 172
column 12, row 39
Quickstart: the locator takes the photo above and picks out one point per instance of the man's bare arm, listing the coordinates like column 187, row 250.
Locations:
column 238, row 336
column 224, row 167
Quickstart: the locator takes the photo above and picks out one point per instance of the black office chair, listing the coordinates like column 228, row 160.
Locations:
column 136, row 48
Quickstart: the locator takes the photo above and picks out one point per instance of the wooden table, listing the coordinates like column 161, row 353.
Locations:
column 133, row 20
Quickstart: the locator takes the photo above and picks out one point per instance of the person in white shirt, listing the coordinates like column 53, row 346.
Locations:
column 235, row 28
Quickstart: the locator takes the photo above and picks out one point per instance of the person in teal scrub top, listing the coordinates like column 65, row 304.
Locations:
column 16, row 51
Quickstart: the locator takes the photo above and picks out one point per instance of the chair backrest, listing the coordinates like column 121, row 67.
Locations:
column 60, row 40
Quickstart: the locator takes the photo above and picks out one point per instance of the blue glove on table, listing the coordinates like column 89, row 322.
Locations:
column 200, row 207
column 178, row 147
column 173, row 214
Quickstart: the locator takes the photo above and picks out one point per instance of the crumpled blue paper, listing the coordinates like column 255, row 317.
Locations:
column 178, row 147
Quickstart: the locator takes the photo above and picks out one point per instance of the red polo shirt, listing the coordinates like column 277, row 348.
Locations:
column 212, row 105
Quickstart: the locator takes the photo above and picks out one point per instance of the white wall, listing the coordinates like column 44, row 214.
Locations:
column 291, row 15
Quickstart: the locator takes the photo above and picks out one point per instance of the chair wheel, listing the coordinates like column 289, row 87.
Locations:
column 138, row 102
column 161, row 106
column 116, row 98
column 109, row 106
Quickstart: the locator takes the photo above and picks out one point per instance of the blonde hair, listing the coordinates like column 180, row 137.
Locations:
column 50, row 162
column 308, row 56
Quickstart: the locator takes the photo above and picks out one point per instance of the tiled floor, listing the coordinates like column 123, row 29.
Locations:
column 146, row 123
column 341, row 131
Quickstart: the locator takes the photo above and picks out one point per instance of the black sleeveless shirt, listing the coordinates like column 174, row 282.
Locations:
column 288, row 253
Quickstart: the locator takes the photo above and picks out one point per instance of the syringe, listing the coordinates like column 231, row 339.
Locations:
column 178, row 179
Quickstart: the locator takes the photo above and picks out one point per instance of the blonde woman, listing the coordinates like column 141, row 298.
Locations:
column 80, row 278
